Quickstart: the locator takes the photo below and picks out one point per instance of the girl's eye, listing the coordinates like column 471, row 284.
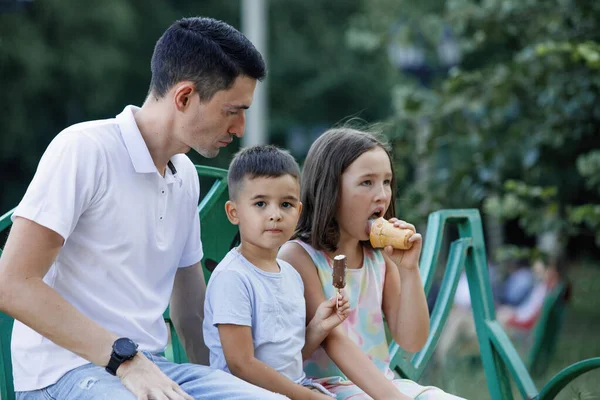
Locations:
column 286, row 204
column 260, row 204
column 387, row 182
column 366, row 183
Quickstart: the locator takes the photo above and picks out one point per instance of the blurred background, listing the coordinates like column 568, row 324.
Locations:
column 491, row 104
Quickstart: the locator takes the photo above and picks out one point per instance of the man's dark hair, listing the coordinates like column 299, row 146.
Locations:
column 263, row 161
column 208, row 52
column 327, row 159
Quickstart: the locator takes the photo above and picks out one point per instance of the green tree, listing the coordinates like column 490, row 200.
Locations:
column 516, row 127
column 66, row 61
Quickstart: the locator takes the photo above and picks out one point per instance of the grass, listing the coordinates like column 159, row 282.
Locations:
column 578, row 340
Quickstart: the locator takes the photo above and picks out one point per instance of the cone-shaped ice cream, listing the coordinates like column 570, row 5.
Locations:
column 384, row 233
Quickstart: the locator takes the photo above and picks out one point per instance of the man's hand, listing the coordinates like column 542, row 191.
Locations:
column 332, row 312
column 147, row 382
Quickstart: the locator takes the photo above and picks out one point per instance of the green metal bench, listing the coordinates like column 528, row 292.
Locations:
column 499, row 357
column 498, row 354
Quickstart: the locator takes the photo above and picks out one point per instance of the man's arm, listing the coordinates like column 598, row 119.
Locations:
column 29, row 252
column 28, row 255
column 238, row 349
column 187, row 312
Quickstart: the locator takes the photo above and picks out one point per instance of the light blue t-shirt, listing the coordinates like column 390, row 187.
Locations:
column 272, row 304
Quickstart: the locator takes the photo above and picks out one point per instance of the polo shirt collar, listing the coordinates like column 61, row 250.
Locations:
column 134, row 142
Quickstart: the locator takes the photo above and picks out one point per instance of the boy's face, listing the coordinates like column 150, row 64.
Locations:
column 266, row 210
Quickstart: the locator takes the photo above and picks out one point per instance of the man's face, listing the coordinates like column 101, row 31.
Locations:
column 208, row 126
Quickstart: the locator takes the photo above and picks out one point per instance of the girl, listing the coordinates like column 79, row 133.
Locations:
column 347, row 180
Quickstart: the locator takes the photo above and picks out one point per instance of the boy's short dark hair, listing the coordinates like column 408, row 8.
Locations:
column 262, row 161
column 208, row 52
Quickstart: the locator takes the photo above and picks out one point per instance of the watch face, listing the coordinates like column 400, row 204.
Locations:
column 125, row 347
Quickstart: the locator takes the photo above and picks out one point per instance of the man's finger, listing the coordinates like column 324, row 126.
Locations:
column 183, row 394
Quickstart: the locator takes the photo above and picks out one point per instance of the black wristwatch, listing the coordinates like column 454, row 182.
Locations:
column 123, row 349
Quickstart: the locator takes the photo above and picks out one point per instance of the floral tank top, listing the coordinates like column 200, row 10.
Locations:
column 364, row 325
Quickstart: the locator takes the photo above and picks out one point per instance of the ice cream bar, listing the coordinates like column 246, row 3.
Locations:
column 384, row 233
column 339, row 271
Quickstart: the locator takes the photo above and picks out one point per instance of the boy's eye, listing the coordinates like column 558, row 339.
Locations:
column 260, row 204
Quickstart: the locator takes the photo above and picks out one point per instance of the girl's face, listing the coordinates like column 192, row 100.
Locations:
column 365, row 193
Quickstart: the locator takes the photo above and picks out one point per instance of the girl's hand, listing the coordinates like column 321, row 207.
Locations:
column 329, row 315
column 408, row 259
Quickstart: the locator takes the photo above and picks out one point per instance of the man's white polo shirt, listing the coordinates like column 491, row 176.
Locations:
column 126, row 228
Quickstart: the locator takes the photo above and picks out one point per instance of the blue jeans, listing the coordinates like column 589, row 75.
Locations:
column 90, row 382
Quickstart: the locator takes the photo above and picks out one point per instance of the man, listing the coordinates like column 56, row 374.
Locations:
column 108, row 232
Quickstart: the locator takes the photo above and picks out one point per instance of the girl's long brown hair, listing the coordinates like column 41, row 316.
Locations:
column 328, row 157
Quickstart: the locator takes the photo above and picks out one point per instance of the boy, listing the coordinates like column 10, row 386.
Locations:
column 255, row 318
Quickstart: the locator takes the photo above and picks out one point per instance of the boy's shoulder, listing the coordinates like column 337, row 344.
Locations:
column 231, row 264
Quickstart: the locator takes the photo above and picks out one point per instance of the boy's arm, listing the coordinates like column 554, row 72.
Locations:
column 238, row 349
column 315, row 335
column 187, row 312
column 329, row 314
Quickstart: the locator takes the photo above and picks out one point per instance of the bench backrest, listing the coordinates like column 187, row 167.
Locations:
column 218, row 236
column 499, row 357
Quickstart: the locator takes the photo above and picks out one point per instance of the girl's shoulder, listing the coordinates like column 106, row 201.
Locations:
column 297, row 249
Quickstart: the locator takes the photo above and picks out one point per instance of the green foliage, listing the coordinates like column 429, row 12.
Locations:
column 66, row 61
column 516, row 127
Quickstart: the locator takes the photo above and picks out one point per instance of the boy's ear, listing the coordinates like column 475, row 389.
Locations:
column 231, row 211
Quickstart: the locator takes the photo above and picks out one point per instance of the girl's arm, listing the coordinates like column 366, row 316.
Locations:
column 404, row 301
column 238, row 349
column 349, row 358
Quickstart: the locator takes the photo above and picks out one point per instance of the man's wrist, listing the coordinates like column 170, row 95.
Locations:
column 123, row 349
column 125, row 365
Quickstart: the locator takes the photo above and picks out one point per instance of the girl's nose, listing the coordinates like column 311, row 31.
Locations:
column 381, row 193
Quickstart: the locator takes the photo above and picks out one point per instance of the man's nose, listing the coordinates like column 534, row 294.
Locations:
column 238, row 126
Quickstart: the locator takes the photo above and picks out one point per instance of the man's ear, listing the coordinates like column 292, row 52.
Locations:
column 231, row 211
column 183, row 95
